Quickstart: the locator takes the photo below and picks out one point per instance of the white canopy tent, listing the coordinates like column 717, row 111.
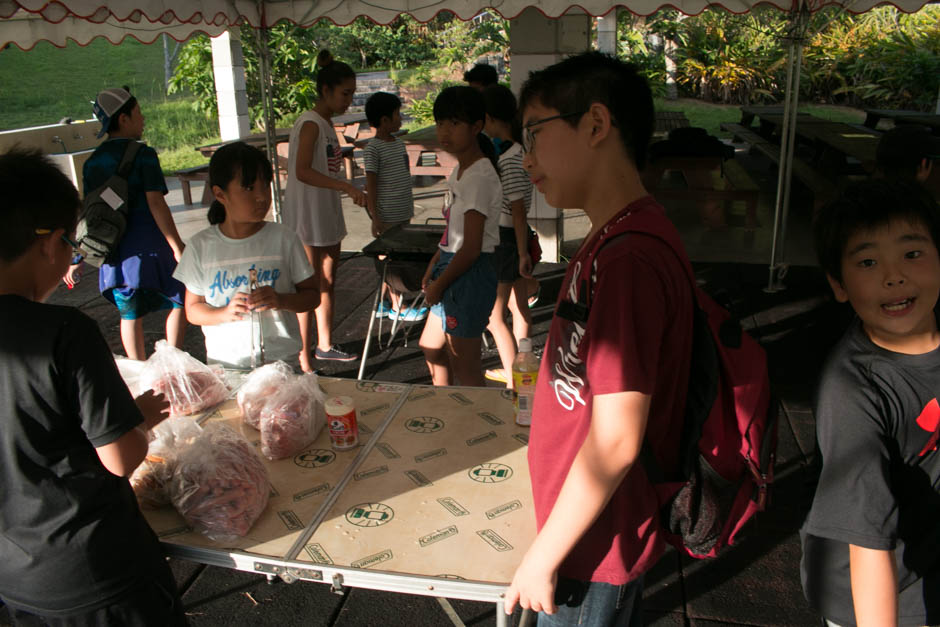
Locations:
column 25, row 22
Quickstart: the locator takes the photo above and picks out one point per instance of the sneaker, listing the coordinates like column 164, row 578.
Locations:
column 496, row 374
column 335, row 354
column 409, row 315
column 384, row 310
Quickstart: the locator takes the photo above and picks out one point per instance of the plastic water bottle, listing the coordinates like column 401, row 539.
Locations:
column 525, row 370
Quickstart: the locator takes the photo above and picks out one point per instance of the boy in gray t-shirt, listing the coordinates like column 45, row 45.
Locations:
column 871, row 542
column 388, row 185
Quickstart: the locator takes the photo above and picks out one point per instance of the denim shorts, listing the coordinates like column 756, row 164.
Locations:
column 141, row 302
column 466, row 304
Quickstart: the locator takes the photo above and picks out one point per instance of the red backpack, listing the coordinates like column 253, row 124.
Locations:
column 729, row 435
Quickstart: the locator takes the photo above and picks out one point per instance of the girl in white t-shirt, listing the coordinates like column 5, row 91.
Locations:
column 217, row 267
column 312, row 207
column 460, row 282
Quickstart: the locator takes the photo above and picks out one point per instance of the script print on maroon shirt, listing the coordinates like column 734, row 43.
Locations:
column 637, row 337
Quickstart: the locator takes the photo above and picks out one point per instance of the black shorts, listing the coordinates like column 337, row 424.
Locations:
column 506, row 256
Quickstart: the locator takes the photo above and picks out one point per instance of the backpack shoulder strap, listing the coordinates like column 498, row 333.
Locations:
column 130, row 153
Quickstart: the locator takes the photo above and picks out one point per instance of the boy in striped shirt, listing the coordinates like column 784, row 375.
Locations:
column 388, row 185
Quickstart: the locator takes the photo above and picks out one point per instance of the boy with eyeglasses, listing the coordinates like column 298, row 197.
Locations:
column 615, row 369
column 74, row 547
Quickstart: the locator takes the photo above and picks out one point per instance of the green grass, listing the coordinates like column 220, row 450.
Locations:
column 45, row 84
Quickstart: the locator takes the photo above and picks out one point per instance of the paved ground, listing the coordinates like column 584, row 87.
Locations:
column 754, row 583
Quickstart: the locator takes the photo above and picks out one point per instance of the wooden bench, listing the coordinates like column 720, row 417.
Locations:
column 707, row 179
column 197, row 173
column 822, row 187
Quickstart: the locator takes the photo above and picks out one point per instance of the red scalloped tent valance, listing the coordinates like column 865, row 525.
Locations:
column 26, row 22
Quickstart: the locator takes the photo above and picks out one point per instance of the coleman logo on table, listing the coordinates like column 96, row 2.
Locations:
column 460, row 398
column 424, row 424
column 490, row 418
column 372, row 560
column 417, row 396
column 492, row 538
column 423, row 457
column 372, row 410
column 481, row 438
column 505, row 508
column 315, row 458
column 318, row 554
column 419, row 479
column 323, row 488
column 437, row 536
column 372, row 472
column 369, row 514
column 490, row 473
column 290, row 520
column 453, row 506
column 387, row 450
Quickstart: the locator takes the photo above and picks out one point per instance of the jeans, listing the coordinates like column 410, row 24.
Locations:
column 595, row 604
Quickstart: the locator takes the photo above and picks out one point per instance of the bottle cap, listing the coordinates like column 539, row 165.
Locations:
column 525, row 345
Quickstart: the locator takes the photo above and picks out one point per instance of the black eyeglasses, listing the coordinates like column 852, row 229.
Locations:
column 528, row 137
column 78, row 253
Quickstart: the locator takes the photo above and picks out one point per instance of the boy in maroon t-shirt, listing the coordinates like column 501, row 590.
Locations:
column 613, row 374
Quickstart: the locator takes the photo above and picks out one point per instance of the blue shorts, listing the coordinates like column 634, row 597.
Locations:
column 141, row 302
column 466, row 304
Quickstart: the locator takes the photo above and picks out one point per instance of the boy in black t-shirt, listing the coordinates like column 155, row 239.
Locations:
column 74, row 547
column 871, row 542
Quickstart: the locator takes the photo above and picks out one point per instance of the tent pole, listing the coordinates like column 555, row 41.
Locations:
column 782, row 265
column 781, row 173
column 267, row 103
column 778, row 268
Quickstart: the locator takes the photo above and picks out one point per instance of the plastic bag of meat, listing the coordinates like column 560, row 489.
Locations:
column 259, row 387
column 292, row 418
column 188, row 384
column 220, row 484
column 151, row 480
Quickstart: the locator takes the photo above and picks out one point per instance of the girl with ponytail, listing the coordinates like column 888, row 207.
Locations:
column 460, row 282
column 216, row 267
column 312, row 206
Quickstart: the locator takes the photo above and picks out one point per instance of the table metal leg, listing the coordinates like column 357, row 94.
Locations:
column 501, row 614
column 375, row 308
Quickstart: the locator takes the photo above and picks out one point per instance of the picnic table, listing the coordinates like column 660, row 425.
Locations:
column 834, row 142
column 900, row 116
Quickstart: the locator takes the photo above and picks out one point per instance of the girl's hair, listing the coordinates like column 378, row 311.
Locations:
column 236, row 162
column 501, row 105
column 331, row 72
column 465, row 104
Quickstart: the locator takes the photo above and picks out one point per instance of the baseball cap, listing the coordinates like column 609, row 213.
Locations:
column 907, row 142
column 107, row 104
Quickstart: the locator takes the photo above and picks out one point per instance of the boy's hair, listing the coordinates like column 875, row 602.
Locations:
column 465, row 104
column 482, row 73
column 379, row 105
column 865, row 206
column 331, row 72
column 501, row 105
column 901, row 150
column 235, row 162
column 37, row 195
column 576, row 83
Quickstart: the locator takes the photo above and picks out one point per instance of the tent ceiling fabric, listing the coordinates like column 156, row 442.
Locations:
column 25, row 22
